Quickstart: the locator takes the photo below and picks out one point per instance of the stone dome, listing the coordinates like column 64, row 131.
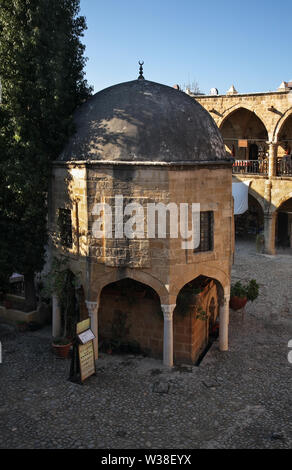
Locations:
column 143, row 121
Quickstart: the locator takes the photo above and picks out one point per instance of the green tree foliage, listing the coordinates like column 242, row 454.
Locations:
column 42, row 82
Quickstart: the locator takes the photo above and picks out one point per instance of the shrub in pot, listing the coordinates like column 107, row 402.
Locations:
column 62, row 282
column 240, row 293
column 61, row 346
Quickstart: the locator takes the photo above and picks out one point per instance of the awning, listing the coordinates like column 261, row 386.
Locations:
column 240, row 195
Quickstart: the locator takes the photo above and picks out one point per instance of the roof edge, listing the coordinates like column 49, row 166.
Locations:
column 227, row 162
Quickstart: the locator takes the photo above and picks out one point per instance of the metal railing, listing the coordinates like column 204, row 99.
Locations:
column 251, row 167
column 284, row 166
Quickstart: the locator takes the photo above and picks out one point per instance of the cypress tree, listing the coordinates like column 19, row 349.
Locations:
column 42, row 83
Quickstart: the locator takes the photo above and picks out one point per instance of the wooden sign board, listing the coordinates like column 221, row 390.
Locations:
column 83, row 359
column 83, row 326
column 86, row 360
column 243, row 143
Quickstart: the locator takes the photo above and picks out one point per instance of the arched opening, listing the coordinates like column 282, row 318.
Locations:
column 284, row 158
column 196, row 319
column 253, row 153
column 130, row 319
column 284, row 227
column 251, row 223
column 244, row 135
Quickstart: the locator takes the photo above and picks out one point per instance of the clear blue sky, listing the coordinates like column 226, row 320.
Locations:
column 217, row 43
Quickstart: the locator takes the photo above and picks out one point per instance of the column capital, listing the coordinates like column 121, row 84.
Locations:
column 91, row 307
column 271, row 142
column 168, row 311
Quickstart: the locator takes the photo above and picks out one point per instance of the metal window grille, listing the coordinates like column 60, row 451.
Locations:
column 206, row 232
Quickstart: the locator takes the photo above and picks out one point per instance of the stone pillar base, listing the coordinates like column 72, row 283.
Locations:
column 168, row 334
column 224, row 323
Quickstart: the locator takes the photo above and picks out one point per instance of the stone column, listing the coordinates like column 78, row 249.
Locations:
column 269, row 233
column 224, row 322
column 168, row 334
column 273, row 151
column 92, row 308
column 56, row 320
column 268, row 194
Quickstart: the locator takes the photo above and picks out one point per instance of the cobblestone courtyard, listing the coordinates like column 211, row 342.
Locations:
column 238, row 399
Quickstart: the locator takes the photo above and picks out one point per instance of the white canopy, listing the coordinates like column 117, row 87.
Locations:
column 240, row 195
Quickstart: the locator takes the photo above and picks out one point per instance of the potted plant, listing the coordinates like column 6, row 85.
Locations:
column 240, row 294
column 62, row 282
column 61, row 346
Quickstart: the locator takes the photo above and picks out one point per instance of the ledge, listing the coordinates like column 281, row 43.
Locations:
column 246, row 176
column 88, row 163
column 281, row 178
column 238, row 95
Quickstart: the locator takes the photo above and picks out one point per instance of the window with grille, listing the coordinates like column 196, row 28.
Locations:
column 206, row 232
column 65, row 227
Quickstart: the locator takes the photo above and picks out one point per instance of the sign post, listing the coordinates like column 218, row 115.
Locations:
column 83, row 362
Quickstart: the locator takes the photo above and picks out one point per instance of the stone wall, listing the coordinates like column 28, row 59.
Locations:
column 273, row 108
column 159, row 263
column 162, row 260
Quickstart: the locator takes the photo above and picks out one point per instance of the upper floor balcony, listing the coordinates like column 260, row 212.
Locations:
column 283, row 167
column 251, row 167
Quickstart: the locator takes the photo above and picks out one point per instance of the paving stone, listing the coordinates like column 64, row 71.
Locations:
column 237, row 399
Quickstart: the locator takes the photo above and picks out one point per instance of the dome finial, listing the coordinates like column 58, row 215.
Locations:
column 141, row 70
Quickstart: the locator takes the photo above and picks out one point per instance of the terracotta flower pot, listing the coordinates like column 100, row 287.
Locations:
column 236, row 303
column 61, row 350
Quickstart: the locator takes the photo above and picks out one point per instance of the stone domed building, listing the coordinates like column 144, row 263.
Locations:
column 142, row 148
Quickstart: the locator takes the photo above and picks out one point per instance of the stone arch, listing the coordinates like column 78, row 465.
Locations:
column 280, row 124
column 140, row 276
column 228, row 113
column 219, row 276
column 130, row 318
column 192, row 317
column 260, row 199
column 281, row 202
column 241, row 122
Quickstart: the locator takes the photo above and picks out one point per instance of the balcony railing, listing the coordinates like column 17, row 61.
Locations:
column 251, row 167
column 284, row 166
